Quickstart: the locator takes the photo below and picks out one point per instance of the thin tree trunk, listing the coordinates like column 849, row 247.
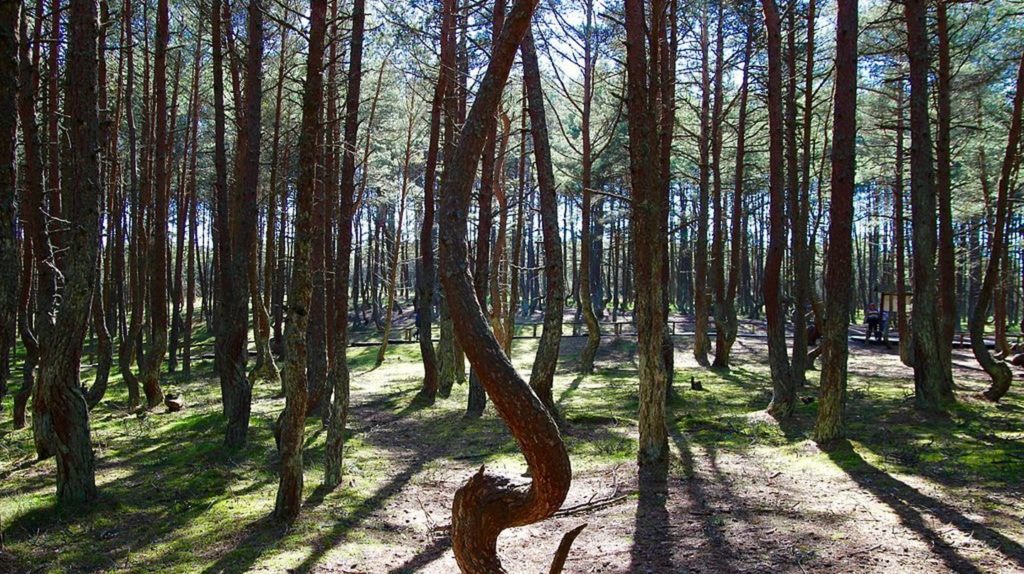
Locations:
column 783, row 389
column 586, row 179
column 998, row 370
column 292, row 422
column 425, row 273
column 338, row 377
column 543, row 374
column 701, row 304
column 158, row 248
column 10, row 14
column 946, row 279
column 397, row 242
column 724, row 344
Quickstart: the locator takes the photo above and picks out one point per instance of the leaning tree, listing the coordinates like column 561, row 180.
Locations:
column 488, row 504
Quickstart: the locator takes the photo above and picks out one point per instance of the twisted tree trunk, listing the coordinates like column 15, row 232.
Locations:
column 997, row 369
column 488, row 504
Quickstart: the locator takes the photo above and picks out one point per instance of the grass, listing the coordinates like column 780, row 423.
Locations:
column 173, row 499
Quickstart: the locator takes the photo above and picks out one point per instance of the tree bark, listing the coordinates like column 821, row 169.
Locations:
column 642, row 105
column 61, row 354
column 158, row 247
column 425, row 273
column 997, row 369
column 397, row 242
column 701, row 305
column 586, row 181
column 931, row 392
column 543, row 374
column 127, row 351
column 291, row 424
column 487, row 504
column 10, row 13
column 946, row 280
column 830, row 424
column 723, row 348
column 244, row 212
column 783, row 389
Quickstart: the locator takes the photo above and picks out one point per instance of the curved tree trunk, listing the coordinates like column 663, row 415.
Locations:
column 723, row 348
column 35, row 226
column 396, row 246
column 487, row 504
column 126, row 353
column 425, row 272
column 998, row 370
column 586, row 180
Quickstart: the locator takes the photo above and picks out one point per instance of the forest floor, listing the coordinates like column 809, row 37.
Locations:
column 742, row 493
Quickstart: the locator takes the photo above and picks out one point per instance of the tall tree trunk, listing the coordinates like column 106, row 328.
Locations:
column 244, row 212
column 425, row 272
column 929, row 380
column 998, row 370
column 62, row 352
column 397, row 241
column 158, row 248
column 586, row 179
column 903, row 325
column 477, row 399
column 270, row 262
column 946, row 280
column 839, row 265
column 723, row 348
column 701, row 305
column 338, row 377
column 783, row 389
column 127, row 351
column 293, row 374
column 487, row 504
column 36, row 228
column 642, row 106
column 543, row 374
column 10, row 13
column 797, row 217
column 718, row 239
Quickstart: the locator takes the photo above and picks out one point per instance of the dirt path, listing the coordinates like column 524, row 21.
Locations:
column 713, row 511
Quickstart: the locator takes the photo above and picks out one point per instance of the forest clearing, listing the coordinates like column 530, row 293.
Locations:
column 742, row 493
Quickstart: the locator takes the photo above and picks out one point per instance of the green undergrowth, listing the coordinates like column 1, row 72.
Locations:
column 174, row 499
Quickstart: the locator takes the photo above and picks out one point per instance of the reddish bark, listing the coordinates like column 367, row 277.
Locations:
column 783, row 390
column 486, row 505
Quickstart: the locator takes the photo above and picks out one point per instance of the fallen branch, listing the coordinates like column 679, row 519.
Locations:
column 590, row 506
